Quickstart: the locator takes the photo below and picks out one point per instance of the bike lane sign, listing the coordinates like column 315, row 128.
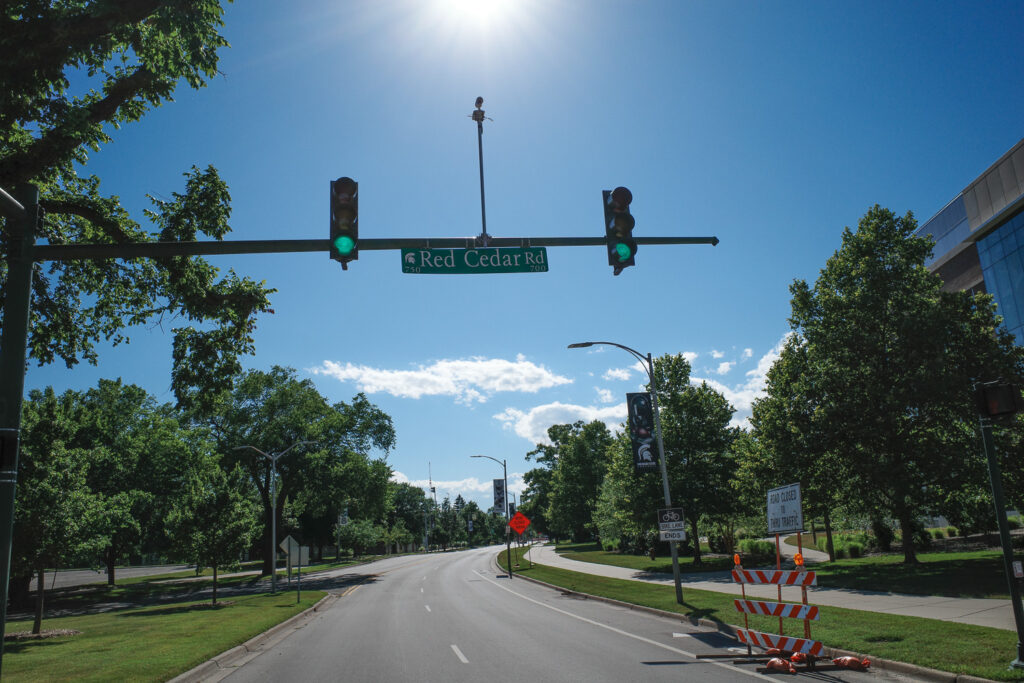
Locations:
column 671, row 519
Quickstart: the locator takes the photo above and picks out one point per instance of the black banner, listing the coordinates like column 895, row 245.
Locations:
column 641, row 432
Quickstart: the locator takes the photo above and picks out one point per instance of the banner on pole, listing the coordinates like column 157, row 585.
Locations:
column 641, row 432
column 499, row 495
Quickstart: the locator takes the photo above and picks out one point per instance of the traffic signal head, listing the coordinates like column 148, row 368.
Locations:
column 998, row 400
column 344, row 220
column 619, row 223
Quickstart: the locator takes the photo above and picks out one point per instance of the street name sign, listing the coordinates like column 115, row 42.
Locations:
column 784, row 511
column 469, row 261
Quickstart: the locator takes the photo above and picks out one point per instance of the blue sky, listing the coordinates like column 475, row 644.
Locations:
column 769, row 125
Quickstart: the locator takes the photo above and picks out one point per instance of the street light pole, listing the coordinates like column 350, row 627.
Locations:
column 508, row 537
column 648, row 362
column 273, row 506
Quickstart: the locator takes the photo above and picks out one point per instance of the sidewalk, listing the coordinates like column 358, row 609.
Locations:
column 981, row 612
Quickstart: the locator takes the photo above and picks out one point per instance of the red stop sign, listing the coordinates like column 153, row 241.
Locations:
column 519, row 522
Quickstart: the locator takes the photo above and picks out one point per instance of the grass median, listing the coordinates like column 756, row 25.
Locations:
column 150, row 643
column 956, row 648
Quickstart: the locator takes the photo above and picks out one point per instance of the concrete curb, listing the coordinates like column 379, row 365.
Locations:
column 225, row 663
column 904, row 668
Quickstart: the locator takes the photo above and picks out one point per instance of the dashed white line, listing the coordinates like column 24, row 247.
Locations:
column 458, row 653
column 428, row 607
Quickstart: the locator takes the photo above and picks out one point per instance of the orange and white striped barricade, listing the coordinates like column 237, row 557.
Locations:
column 774, row 576
column 784, row 643
column 777, row 609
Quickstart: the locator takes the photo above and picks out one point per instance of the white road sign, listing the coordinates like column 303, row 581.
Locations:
column 784, row 511
column 679, row 535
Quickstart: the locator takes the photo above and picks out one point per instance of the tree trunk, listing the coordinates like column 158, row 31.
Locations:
column 907, row 529
column 828, row 538
column 111, row 557
column 215, row 583
column 696, row 542
column 814, row 534
column 40, row 592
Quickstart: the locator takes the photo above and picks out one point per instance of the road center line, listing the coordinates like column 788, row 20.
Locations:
column 428, row 607
column 458, row 653
column 752, row 674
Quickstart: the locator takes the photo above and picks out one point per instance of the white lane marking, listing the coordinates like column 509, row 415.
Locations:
column 681, row 635
column 428, row 607
column 458, row 653
column 752, row 674
column 421, row 590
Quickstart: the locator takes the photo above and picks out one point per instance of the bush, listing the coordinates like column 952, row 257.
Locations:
column 855, row 549
column 1013, row 522
column 884, row 534
column 757, row 549
column 952, row 531
column 938, row 533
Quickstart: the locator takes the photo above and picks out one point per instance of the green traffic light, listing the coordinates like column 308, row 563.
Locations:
column 623, row 250
column 344, row 244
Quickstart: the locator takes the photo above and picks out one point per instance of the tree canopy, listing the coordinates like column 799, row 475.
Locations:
column 73, row 72
column 891, row 361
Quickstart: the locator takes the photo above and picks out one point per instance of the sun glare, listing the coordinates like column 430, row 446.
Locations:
column 484, row 13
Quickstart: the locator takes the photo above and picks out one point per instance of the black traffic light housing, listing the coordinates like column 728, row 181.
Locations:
column 619, row 223
column 344, row 220
column 998, row 400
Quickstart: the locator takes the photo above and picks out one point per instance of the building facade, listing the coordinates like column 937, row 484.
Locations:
column 979, row 238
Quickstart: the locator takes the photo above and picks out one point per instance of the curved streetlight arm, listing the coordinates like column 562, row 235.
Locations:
column 636, row 354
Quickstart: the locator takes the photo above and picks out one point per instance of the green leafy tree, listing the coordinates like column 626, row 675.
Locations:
column 797, row 443
column 55, row 514
column 273, row 411
column 359, row 535
column 695, row 430
column 407, row 504
column 581, row 463
column 214, row 521
column 536, row 497
column 894, row 359
column 139, row 458
column 73, row 72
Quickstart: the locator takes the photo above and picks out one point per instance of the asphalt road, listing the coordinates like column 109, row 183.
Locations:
column 454, row 617
column 82, row 577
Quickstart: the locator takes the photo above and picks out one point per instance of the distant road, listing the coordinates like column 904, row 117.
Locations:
column 82, row 577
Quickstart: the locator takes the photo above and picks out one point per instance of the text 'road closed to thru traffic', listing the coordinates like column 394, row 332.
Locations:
column 468, row 261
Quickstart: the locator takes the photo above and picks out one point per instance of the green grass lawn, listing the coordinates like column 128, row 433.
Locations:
column 956, row 648
column 592, row 552
column 973, row 574
column 152, row 643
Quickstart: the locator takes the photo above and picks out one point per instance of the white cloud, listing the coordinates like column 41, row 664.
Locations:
column 691, row 356
column 617, row 373
column 605, row 395
column 724, row 368
column 742, row 395
column 533, row 425
column 470, row 380
column 747, row 353
column 717, row 354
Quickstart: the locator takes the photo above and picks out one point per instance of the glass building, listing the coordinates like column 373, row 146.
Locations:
column 979, row 238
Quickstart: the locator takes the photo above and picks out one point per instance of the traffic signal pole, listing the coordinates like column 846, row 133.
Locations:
column 22, row 212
